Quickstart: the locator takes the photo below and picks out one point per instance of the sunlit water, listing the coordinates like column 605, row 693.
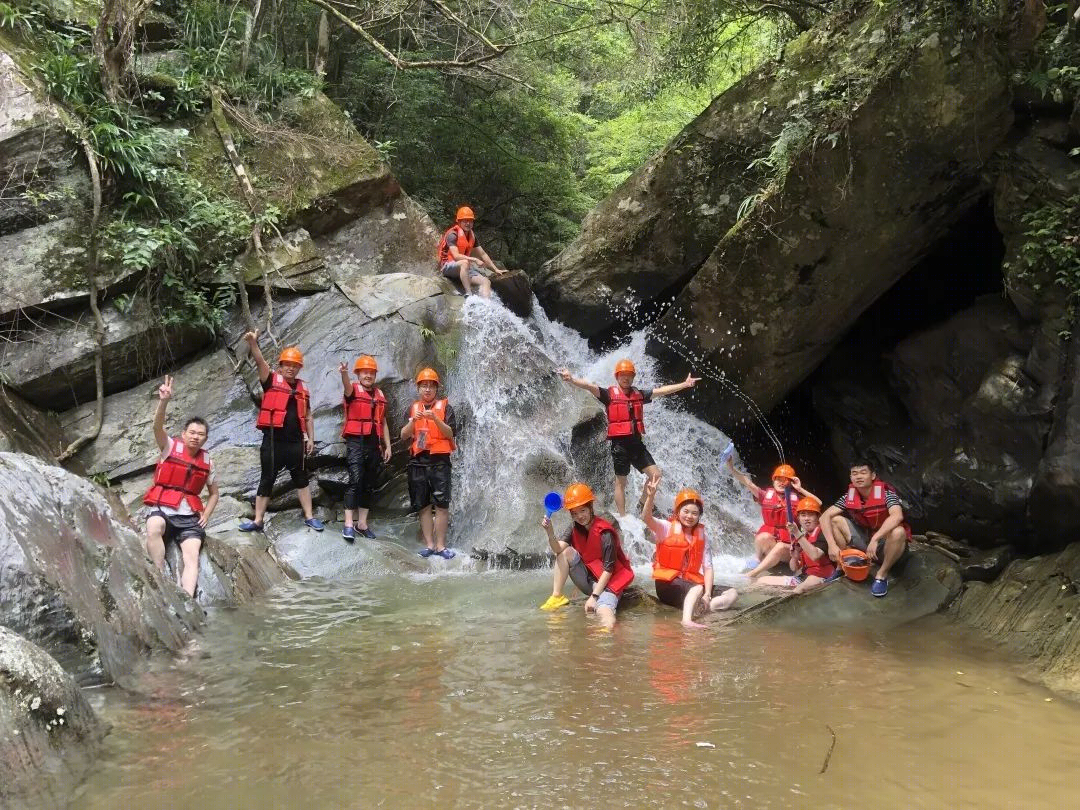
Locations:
column 456, row 692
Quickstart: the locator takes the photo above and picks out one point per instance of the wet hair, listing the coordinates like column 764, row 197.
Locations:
column 862, row 462
column 196, row 420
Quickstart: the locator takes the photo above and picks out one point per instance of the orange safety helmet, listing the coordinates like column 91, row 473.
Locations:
column 686, row 496
column 427, row 375
column 365, row 362
column 624, row 366
column 784, row 471
column 855, row 564
column 464, row 213
column 577, row 495
column 808, row 505
column 291, row 355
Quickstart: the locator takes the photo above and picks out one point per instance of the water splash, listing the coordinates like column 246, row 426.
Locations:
column 519, row 419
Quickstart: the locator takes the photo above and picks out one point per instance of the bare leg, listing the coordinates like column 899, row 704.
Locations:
column 442, row 523
column 763, row 544
column 485, row 286
column 841, row 532
column 724, row 601
column 305, row 501
column 811, row 583
column 620, row 494
column 361, row 518
column 691, row 600
column 427, row 525
column 261, row 502
column 463, row 274
column 561, row 573
column 155, row 540
column 894, row 548
column 348, row 518
column 779, row 553
column 774, row 582
column 189, row 549
column 606, row 616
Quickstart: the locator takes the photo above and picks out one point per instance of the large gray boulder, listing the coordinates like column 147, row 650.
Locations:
column 25, row 429
column 51, row 362
column 853, row 155
column 49, row 735
column 76, row 580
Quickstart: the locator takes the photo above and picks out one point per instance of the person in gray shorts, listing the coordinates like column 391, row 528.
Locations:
column 456, row 259
column 870, row 518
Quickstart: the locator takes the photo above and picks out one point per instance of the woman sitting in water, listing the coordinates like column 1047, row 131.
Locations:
column 682, row 566
column 809, row 560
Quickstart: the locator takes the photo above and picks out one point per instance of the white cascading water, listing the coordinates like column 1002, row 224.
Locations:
column 518, row 418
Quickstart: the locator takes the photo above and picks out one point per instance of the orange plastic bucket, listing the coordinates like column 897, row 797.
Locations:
column 855, row 564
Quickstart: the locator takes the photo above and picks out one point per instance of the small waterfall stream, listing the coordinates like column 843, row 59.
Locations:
column 526, row 432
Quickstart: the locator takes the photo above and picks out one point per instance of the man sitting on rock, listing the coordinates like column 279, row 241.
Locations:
column 870, row 518
column 456, row 261
column 177, row 513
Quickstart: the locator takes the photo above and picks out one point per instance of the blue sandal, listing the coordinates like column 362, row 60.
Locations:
column 251, row 526
column 446, row 554
column 426, row 552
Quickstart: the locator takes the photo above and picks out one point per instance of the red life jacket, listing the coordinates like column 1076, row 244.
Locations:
column 624, row 411
column 364, row 413
column 276, row 399
column 465, row 244
column 774, row 512
column 587, row 543
column 821, row 567
column 434, row 442
column 677, row 556
column 872, row 511
column 179, row 477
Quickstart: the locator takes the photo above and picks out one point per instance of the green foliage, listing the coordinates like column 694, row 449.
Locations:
column 1055, row 68
column 1051, row 247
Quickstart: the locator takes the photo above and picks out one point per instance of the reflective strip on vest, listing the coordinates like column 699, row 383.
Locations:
column 773, row 508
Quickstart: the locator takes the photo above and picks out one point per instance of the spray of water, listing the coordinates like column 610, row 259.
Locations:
column 526, row 432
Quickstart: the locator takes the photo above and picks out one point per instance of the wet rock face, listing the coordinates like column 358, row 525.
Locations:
column 76, row 580
column 49, row 735
column 25, row 429
column 1033, row 609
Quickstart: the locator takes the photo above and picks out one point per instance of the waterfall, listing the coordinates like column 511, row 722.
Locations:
column 525, row 432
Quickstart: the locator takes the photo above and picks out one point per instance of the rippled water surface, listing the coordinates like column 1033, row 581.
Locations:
column 454, row 691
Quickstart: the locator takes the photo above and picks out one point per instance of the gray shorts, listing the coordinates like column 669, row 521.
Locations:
column 450, row 270
column 584, row 580
column 860, row 538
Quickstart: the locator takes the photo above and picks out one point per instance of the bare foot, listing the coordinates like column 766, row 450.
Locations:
column 693, row 624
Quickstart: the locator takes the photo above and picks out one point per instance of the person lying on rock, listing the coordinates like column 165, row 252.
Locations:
column 809, row 559
column 682, row 566
column 626, row 422
column 431, row 425
column 365, row 431
column 288, row 429
column 176, row 512
column 773, row 538
column 870, row 518
column 456, row 261
column 591, row 555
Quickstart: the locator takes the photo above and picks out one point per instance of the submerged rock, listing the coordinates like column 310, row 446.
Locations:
column 927, row 582
column 1033, row 609
column 49, row 735
column 76, row 580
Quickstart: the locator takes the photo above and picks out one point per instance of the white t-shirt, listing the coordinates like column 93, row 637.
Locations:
column 184, row 508
column 664, row 529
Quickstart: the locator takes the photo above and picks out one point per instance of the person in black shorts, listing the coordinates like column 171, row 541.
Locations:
column 431, row 425
column 288, row 428
column 626, row 424
column 177, row 514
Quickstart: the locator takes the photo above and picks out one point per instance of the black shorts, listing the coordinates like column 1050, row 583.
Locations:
column 674, row 593
column 276, row 455
column 626, row 454
column 363, row 459
column 429, row 483
column 179, row 528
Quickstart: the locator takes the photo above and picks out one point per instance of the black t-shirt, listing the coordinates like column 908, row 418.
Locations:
column 291, row 430
column 605, row 400
column 451, row 420
column 607, row 546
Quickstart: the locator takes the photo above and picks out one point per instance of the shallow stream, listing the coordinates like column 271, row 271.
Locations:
column 452, row 690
